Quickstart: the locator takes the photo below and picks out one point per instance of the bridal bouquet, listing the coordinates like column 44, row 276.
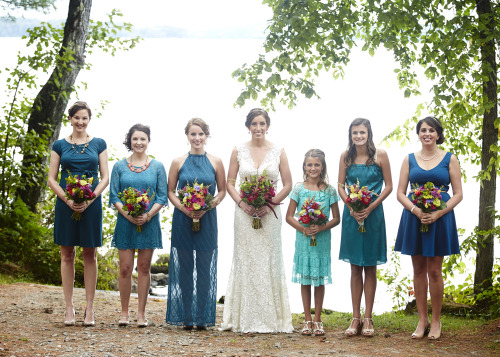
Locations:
column 195, row 198
column 311, row 213
column 258, row 191
column 79, row 189
column 358, row 198
column 135, row 203
column 428, row 199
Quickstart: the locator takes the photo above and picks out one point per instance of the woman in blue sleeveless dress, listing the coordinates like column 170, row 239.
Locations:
column 192, row 285
column 142, row 173
column 427, row 250
column 81, row 155
column 364, row 251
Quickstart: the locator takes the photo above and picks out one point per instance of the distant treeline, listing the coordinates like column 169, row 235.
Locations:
column 18, row 29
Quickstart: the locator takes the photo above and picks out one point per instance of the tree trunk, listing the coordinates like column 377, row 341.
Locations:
column 485, row 245
column 48, row 108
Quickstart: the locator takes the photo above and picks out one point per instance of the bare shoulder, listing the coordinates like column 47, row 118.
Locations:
column 178, row 161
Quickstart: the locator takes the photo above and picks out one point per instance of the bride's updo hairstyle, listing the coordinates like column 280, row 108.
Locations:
column 434, row 123
column 255, row 113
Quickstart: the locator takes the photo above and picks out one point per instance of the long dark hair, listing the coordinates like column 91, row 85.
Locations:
column 371, row 150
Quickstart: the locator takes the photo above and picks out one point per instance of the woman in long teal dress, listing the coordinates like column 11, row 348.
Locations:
column 312, row 261
column 363, row 250
column 427, row 249
column 81, row 155
column 192, row 285
column 141, row 172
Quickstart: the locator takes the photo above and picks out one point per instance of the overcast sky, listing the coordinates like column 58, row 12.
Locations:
column 193, row 14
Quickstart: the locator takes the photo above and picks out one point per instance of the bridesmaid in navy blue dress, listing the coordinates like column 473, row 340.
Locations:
column 80, row 154
column 192, row 286
column 427, row 249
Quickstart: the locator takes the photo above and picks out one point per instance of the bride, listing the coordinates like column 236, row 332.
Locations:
column 257, row 298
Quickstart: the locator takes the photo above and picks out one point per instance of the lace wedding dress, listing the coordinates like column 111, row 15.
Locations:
column 257, row 298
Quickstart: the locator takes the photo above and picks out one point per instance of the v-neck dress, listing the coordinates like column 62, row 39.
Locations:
column 257, row 297
column 442, row 237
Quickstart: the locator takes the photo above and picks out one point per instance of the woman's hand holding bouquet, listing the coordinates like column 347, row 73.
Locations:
column 428, row 199
column 197, row 200
column 358, row 200
column 136, row 203
column 312, row 216
column 258, row 192
column 79, row 191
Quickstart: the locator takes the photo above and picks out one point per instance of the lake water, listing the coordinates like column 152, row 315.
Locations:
column 165, row 82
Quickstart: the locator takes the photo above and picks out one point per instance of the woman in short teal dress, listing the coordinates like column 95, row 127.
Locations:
column 427, row 249
column 80, row 154
column 364, row 251
column 192, row 286
column 141, row 172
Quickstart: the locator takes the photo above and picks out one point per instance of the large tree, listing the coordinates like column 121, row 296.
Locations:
column 47, row 112
column 34, row 124
column 456, row 42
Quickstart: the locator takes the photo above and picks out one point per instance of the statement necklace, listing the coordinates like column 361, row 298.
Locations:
column 430, row 158
column 140, row 169
column 73, row 143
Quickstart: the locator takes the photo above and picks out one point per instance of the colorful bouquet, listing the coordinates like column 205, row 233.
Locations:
column 258, row 191
column 79, row 189
column 135, row 202
column 358, row 198
column 311, row 213
column 195, row 198
column 428, row 199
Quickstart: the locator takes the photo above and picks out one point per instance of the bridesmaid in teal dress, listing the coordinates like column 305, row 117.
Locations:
column 364, row 251
column 192, row 286
column 141, row 172
column 312, row 264
column 80, row 154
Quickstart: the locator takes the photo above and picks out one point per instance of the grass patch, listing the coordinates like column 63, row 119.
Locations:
column 394, row 322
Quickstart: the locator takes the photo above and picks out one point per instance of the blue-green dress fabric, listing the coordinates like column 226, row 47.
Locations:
column 312, row 264
column 192, row 286
column 154, row 179
column 87, row 232
column 368, row 248
column 442, row 237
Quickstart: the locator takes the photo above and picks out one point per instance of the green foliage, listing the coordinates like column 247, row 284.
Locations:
column 9, row 6
column 161, row 265
column 41, row 55
column 399, row 286
column 26, row 241
column 447, row 39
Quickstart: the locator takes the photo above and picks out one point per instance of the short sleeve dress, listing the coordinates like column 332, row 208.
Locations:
column 442, row 237
column 154, row 179
column 312, row 264
column 368, row 248
column 86, row 232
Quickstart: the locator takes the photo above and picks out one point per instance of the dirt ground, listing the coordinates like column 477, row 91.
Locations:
column 31, row 324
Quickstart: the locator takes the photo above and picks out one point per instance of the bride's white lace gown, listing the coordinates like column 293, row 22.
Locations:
column 257, row 298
